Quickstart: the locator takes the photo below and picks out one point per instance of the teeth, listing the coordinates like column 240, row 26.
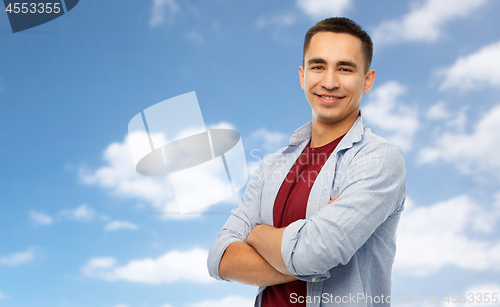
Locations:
column 330, row 97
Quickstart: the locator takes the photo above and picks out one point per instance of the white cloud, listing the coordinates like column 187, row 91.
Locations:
column 434, row 236
column 319, row 9
column 315, row 9
column 474, row 71
column 455, row 120
column 174, row 266
column 277, row 20
column 161, row 10
column 40, row 219
column 2, row 295
column 497, row 203
column 398, row 122
column 268, row 141
column 120, row 178
column 222, row 125
column 96, row 265
column 229, row 301
column 425, row 21
column 118, row 225
column 438, row 111
column 17, row 258
column 472, row 153
column 459, row 121
column 82, row 213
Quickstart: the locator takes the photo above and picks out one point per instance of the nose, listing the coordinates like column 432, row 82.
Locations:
column 330, row 80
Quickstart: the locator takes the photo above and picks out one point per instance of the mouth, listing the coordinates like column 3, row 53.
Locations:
column 330, row 99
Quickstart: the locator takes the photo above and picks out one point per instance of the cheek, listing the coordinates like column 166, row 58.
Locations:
column 354, row 86
column 311, row 82
column 307, row 86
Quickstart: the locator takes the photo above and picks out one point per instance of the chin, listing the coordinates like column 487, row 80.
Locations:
column 328, row 119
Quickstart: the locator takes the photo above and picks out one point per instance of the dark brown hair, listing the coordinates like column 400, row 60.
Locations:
column 342, row 25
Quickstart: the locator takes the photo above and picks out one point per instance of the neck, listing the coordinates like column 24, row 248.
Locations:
column 323, row 133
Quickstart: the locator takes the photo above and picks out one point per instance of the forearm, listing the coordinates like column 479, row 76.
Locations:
column 242, row 263
column 266, row 240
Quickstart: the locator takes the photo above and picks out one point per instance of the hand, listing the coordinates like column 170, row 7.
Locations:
column 253, row 235
column 257, row 234
column 266, row 240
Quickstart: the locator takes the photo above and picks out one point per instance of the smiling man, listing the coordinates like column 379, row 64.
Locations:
column 317, row 223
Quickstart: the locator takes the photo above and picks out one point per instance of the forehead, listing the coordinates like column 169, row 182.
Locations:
column 334, row 47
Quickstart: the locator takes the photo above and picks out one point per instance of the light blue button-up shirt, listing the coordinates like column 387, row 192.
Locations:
column 344, row 250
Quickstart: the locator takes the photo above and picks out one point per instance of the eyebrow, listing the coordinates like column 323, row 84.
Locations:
column 339, row 63
column 316, row 61
column 347, row 63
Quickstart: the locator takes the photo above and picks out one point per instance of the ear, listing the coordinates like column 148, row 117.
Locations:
column 369, row 79
column 301, row 75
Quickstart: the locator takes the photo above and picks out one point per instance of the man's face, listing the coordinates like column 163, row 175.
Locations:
column 333, row 77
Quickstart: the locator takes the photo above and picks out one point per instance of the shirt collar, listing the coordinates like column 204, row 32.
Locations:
column 355, row 134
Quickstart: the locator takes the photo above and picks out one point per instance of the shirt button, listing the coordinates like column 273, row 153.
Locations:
column 313, row 279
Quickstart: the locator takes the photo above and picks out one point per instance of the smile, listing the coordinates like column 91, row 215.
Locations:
column 330, row 97
column 330, row 100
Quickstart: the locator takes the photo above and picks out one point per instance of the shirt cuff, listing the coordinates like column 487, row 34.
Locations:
column 288, row 244
column 215, row 255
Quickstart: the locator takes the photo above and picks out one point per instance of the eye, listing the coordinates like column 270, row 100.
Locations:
column 316, row 67
column 345, row 70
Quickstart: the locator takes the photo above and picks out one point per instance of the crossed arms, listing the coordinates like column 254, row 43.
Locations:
column 242, row 263
column 250, row 252
column 258, row 260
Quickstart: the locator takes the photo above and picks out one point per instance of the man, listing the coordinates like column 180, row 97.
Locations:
column 317, row 223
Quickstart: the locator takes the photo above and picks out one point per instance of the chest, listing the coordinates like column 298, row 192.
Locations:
column 276, row 173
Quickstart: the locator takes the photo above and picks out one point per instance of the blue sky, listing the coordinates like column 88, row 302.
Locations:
column 78, row 228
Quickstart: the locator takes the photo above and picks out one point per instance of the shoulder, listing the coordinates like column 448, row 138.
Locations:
column 373, row 146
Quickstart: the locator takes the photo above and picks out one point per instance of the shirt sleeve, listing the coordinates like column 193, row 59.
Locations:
column 242, row 220
column 371, row 190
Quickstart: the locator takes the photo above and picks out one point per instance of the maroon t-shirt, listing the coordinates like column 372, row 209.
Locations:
column 290, row 205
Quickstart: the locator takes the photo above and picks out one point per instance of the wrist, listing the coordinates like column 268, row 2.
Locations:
column 253, row 236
